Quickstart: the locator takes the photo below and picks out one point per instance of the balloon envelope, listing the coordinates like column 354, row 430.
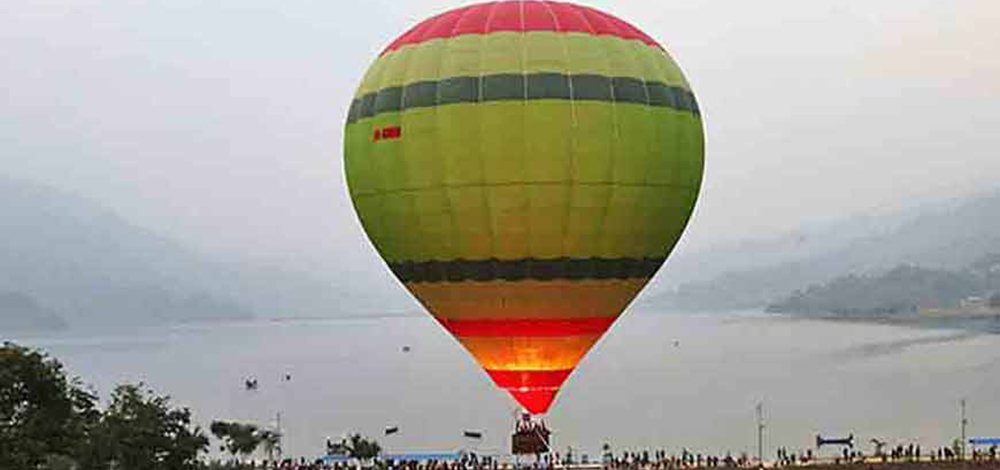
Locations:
column 524, row 167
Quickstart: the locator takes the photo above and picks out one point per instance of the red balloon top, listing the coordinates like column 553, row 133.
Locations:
column 519, row 16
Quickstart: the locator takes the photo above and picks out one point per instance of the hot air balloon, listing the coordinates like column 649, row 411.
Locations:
column 524, row 168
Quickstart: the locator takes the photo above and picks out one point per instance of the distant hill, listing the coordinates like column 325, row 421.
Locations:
column 86, row 265
column 904, row 290
column 19, row 312
column 947, row 236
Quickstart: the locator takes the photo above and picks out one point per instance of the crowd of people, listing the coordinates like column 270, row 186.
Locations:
column 467, row 462
column 910, row 453
column 660, row 460
column 285, row 464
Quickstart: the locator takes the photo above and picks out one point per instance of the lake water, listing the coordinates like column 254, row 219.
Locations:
column 635, row 389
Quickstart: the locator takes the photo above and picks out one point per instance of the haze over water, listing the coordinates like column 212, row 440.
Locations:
column 636, row 389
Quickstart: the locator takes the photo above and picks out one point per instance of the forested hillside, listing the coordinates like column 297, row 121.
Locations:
column 904, row 290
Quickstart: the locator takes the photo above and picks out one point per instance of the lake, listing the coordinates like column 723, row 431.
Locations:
column 637, row 388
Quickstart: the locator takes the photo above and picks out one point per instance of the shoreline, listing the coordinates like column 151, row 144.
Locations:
column 971, row 323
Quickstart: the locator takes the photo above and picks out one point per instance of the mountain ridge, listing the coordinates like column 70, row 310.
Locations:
column 20, row 312
column 90, row 267
column 949, row 236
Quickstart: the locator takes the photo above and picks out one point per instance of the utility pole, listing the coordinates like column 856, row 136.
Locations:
column 965, row 422
column 760, row 433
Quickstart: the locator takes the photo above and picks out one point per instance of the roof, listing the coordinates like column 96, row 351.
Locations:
column 985, row 441
column 423, row 456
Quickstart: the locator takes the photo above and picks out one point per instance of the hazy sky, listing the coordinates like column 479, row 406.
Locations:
column 219, row 123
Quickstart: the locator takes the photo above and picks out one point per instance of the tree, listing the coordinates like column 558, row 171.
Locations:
column 357, row 446
column 44, row 414
column 271, row 440
column 239, row 439
column 141, row 430
column 606, row 452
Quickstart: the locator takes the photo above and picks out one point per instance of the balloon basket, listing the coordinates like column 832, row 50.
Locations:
column 530, row 437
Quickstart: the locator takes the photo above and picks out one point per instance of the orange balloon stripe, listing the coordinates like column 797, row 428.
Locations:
column 528, row 299
column 526, row 353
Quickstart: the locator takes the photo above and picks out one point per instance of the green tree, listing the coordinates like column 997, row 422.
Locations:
column 141, row 430
column 44, row 414
column 271, row 440
column 606, row 452
column 239, row 439
column 358, row 447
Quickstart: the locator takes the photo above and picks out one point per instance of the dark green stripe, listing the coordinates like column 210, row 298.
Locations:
column 535, row 86
column 526, row 268
column 629, row 90
column 548, row 86
column 592, row 88
column 388, row 100
column 500, row 87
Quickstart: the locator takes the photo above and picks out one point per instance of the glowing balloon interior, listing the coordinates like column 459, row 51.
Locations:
column 524, row 167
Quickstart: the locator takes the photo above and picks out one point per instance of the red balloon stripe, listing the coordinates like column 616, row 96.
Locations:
column 529, row 327
column 520, row 16
column 528, row 379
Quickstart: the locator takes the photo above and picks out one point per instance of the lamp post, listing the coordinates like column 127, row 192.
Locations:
column 760, row 433
column 965, row 423
column 277, row 423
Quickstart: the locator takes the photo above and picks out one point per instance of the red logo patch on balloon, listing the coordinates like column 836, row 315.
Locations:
column 387, row 133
